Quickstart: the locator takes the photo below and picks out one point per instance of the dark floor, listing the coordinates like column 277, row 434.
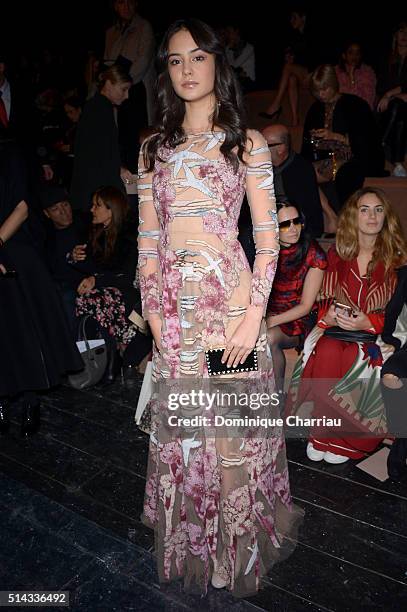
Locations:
column 71, row 497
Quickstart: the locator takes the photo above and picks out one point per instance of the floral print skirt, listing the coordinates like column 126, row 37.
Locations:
column 107, row 307
column 219, row 499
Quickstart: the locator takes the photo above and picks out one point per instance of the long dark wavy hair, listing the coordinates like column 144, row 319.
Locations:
column 304, row 240
column 229, row 113
column 103, row 241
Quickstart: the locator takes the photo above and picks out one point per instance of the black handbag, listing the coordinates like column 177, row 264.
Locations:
column 216, row 367
column 94, row 360
column 358, row 335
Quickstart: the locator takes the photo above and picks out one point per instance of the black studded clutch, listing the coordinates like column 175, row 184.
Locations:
column 217, row 368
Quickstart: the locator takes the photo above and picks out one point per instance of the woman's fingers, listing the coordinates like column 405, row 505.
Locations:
column 226, row 354
column 237, row 356
column 232, row 356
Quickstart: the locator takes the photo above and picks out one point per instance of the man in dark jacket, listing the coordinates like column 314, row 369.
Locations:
column 97, row 154
column 294, row 177
column 65, row 230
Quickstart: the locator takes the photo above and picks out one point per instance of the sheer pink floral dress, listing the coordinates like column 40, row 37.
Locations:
column 216, row 503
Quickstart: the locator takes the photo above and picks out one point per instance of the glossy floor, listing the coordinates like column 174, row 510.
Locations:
column 71, row 497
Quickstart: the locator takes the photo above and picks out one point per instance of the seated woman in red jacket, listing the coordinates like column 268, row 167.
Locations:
column 340, row 367
column 298, row 279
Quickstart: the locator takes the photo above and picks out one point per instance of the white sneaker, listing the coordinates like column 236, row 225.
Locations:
column 399, row 171
column 332, row 458
column 313, row 453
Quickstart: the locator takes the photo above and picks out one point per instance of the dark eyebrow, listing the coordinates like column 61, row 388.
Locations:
column 193, row 51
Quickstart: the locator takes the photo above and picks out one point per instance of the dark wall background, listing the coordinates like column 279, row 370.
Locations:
column 74, row 27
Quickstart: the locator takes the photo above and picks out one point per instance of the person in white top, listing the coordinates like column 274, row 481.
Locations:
column 241, row 56
column 131, row 38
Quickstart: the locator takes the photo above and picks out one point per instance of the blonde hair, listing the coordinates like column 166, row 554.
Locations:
column 115, row 74
column 324, row 76
column 390, row 246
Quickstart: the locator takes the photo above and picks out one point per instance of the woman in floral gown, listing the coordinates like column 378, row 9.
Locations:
column 220, row 506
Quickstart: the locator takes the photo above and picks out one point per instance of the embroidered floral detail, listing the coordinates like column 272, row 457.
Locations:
column 228, row 185
column 282, row 487
column 260, row 289
column 197, row 544
column 215, row 223
column 164, row 194
column 149, row 294
column 236, row 513
column 151, row 503
column 213, row 334
column 202, row 484
column 271, row 268
column 175, row 545
column 211, row 305
column 373, row 354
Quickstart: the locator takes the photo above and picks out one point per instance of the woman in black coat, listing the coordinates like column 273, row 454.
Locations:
column 36, row 345
column 109, row 260
column 343, row 124
column 96, row 149
column 392, row 105
column 394, row 380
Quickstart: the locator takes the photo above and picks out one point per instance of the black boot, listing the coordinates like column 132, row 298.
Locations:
column 4, row 417
column 396, row 461
column 30, row 421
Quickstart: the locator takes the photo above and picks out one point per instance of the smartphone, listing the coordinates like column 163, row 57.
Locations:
column 345, row 307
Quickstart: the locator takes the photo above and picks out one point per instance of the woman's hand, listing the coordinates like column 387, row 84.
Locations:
column 359, row 321
column 156, row 326
column 241, row 343
column 270, row 322
column 383, row 103
column 330, row 316
column 86, row 285
column 126, row 176
column 2, row 269
column 79, row 252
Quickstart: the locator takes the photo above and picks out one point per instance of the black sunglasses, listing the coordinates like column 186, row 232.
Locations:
column 274, row 144
column 285, row 225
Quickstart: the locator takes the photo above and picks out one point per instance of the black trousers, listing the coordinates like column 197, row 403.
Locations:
column 131, row 119
column 395, row 129
column 395, row 400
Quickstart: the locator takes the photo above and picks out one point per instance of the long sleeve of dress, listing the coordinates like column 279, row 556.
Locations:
column 326, row 294
column 260, row 195
column 149, row 231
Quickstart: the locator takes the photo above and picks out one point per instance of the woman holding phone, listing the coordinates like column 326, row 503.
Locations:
column 343, row 352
